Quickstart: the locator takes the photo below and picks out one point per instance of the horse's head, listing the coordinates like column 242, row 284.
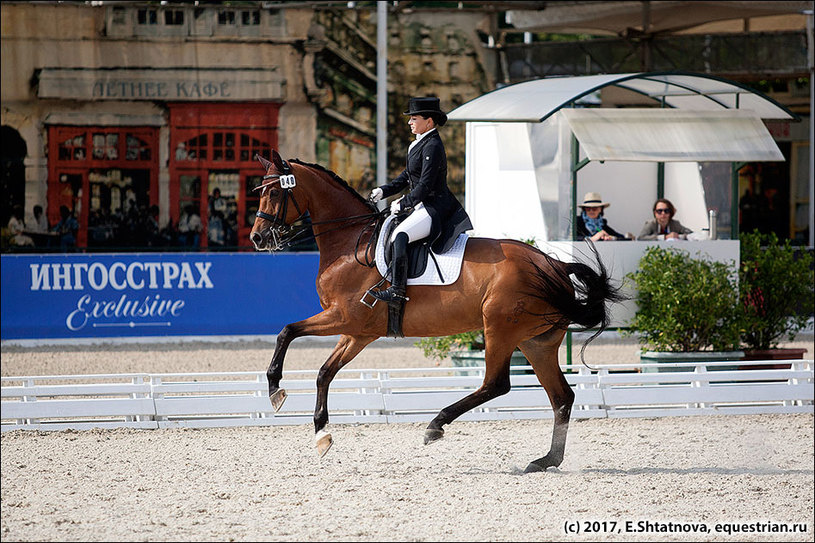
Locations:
column 280, row 205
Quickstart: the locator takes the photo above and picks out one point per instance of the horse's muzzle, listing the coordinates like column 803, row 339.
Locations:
column 267, row 240
column 258, row 240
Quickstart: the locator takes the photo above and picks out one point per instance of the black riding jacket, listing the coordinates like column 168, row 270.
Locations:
column 426, row 179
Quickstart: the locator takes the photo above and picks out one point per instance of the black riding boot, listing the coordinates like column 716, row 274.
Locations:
column 395, row 294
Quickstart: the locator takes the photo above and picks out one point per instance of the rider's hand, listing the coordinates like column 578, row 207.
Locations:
column 396, row 206
column 375, row 195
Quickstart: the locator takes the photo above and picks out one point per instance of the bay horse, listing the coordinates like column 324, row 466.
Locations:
column 519, row 296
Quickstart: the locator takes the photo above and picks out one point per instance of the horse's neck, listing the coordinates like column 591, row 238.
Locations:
column 329, row 206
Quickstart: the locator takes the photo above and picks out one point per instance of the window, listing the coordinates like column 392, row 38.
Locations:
column 119, row 16
column 227, row 146
column 250, row 18
column 226, row 17
column 214, row 147
column 147, row 17
column 173, row 17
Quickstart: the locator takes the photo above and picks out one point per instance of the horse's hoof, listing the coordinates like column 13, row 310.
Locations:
column 277, row 396
column 431, row 435
column 533, row 467
column 323, row 441
column 542, row 464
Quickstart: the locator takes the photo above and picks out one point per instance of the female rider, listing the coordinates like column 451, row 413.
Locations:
column 433, row 211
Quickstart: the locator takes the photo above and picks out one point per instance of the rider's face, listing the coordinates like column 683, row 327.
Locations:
column 420, row 125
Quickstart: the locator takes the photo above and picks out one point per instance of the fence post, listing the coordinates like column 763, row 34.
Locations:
column 700, row 368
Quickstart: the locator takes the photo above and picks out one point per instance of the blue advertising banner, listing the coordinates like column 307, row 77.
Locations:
column 155, row 294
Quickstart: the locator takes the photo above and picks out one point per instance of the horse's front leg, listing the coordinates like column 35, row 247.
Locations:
column 275, row 372
column 321, row 324
column 345, row 351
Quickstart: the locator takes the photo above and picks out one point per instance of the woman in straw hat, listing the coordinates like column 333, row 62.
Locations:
column 591, row 224
column 432, row 210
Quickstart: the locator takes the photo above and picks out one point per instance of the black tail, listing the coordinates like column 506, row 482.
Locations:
column 577, row 292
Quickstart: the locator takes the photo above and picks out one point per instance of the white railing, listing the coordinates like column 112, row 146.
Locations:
column 399, row 395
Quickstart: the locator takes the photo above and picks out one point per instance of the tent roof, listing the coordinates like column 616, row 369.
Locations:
column 535, row 101
column 655, row 135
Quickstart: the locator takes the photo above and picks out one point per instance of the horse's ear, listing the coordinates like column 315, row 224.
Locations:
column 278, row 161
column 265, row 163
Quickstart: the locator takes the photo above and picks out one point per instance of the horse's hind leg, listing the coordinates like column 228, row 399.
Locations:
column 345, row 351
column 542, row 353
column 496, row 383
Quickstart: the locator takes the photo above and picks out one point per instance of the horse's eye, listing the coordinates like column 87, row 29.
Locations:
column 274, row 193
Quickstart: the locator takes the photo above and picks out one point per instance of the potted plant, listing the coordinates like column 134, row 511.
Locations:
column 465, row 350
column 687, row 308
column 776, row 288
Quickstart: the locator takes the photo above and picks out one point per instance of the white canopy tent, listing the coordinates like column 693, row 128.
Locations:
column 526, row 143
column 535, row 148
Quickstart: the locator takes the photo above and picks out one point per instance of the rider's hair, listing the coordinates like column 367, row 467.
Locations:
column 438, row 120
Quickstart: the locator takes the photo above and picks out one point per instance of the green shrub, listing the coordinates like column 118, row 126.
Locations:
column 440, row 347
column 685, row 304
column 776, row 290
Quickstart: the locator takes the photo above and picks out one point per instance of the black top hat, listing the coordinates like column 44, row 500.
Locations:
column 427, row 105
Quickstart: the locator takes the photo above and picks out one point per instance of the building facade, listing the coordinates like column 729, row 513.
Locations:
column 128, row 116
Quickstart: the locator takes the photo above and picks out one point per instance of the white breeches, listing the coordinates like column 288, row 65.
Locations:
column 417, row 225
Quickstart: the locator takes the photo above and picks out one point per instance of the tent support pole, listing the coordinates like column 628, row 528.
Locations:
column 734, row 198
column 660, row 180
column 577, row 164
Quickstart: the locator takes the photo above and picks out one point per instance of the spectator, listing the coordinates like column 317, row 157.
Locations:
column 217, row 203
column 215, row 230
column 16, row 226
column 189, row 228
column 67, row 229
column 591, row 224
column 664, row 227
column 40, row 225
column 149, row 224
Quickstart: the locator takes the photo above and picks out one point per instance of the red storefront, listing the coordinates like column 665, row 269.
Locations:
column 108, row 175
column 212, row 146
column 97, row 172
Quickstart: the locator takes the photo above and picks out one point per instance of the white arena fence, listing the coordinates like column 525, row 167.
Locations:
column 173, row 400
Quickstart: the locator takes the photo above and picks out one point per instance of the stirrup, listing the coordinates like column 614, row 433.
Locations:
column 369, row 293
column 363, row 301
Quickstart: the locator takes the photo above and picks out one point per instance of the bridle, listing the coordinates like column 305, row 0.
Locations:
column 278, row 229
column 283, row 235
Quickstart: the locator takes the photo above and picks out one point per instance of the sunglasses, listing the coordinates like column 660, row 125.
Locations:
column 661, row 210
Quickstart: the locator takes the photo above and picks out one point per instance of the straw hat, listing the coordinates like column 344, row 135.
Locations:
column 593, row 199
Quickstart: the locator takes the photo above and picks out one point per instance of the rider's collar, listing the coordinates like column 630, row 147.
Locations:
column 420, row 136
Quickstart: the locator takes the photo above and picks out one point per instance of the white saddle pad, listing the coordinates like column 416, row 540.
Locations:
column 449, row 262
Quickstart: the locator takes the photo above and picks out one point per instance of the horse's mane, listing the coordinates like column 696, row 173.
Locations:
column 339, row 180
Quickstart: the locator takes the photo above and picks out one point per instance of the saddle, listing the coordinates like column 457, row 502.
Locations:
column 425, row 267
